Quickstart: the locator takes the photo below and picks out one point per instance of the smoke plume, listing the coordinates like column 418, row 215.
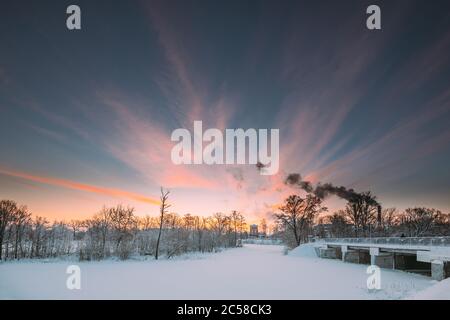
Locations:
column 321, row 190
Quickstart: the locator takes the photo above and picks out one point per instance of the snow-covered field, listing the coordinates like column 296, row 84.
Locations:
column 251, row 272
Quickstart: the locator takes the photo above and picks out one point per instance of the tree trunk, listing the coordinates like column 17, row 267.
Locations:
column 16, row 244
column 1, row 246
column 164, row 206
column 159, row 237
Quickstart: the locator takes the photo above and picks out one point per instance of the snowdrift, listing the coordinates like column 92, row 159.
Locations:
column 304, row 250
column 439, row 291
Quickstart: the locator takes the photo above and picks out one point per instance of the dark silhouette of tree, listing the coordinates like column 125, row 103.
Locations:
column 7, row 210
column 389, row 219
column 163, row 210
column 339, row 224
column 442, row 224
column 236, row 219
column 122, row 221
column 361, row 211
column 419, row 220
column 20, row 219
column 297, row 215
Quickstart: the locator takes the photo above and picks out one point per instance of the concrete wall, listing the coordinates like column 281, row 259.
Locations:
column 351, row 256
column 364, row 257
column 399, row 261
column 384, row 261
column 356, row 256
column 437, row 270
column 440, row 270
column 317, row 250
column 329, row 253
column 447, row 269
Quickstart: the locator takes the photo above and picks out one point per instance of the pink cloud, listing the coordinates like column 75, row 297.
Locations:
column 70, row 184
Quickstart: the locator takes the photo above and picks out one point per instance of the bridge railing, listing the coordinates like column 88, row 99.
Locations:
column 406, row 241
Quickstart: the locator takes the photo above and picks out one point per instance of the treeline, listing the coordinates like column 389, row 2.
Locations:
column 115, row 232
column 118, row 232
column 299, row 219
column 412, row 222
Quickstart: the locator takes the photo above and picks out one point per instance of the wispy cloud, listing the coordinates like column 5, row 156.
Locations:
column 144, row 145
column 179, row 84
column 80, row 186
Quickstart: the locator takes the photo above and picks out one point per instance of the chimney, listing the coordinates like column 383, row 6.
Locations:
column 379, row 215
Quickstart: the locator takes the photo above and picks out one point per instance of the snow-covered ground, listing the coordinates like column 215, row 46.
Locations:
column 251, row 272
column 440, row 291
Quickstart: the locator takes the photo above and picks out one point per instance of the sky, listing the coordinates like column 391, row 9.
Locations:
column 87, row 115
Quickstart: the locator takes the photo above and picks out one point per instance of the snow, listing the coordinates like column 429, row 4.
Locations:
column 304, row 251
column 439, row 291
column 251, row 272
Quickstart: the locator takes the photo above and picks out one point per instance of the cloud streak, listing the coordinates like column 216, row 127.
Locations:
column 69, row 184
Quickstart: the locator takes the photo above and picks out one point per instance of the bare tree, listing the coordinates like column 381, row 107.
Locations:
column 388, row 220
column 200, row 224
column 75, row 225
column 419, row 220
column 242, row 225
column 218, row 225
column 235, row 219
column 146, row 223
column 297, row 215
column 40, row 226
column 122, row 221
column 102, row 224
column 339, row 224
column 361, row 210
column 163, row 209
column 7, row 210
column 442, row 224
column 20, row 219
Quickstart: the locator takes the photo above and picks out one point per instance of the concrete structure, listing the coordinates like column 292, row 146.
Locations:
column 329, row 253
column 429, row 256
column 354, row 256
column 399, row 261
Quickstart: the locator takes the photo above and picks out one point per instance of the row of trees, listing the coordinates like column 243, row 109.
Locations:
column 298, row 220
column 412, row 222
column 115, row 231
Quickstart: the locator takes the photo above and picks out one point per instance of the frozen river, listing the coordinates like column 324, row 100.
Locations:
column 251, row 272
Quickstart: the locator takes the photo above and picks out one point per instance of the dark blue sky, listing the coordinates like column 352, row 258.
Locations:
column 365, row 109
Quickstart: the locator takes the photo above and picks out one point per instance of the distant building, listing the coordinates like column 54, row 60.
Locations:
column 323, row 230
column 254, row 230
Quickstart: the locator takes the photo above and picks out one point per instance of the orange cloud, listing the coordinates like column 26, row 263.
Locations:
column 81, row 186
